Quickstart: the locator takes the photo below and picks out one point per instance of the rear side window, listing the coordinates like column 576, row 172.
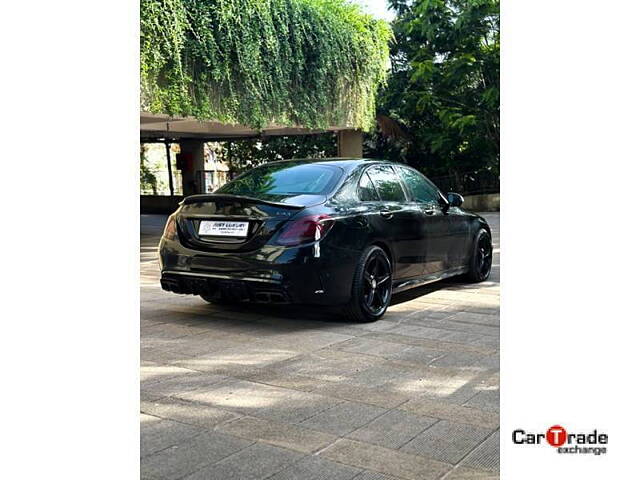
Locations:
column 366, row 190
column 387, row 183
column 419, row 188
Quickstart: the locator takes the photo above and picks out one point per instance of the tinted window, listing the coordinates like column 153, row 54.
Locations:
column 387, row 183
column 285, row 178
column 420, row 189
column 366, row 190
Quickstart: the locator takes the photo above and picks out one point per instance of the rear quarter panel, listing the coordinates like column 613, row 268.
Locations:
column 352, row 233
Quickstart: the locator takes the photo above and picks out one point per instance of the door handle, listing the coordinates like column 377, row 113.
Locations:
column 429, row 211
column 386, row 213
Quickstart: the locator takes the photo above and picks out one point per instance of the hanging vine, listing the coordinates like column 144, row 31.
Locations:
column 311, row 63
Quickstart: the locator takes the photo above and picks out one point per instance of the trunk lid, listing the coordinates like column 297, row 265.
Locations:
column 261, row 216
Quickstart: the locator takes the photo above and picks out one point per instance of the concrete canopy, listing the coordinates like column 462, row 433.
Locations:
column 191, row 134
column 154, row 127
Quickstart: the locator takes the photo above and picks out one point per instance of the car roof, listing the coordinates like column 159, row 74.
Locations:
column 345, row 163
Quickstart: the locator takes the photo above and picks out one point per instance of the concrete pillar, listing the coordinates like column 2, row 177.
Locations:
column 191, row 159
column 350, row 143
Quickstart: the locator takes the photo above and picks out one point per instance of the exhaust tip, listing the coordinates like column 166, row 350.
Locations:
column 270, row 297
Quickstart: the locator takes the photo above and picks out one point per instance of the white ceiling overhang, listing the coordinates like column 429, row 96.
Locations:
column 159, row 126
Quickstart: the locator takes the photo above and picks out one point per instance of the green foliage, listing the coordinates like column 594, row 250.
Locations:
column 312, row 63
column 148, row 181
column 445, row 86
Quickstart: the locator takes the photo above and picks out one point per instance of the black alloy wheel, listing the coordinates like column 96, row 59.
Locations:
column 371, row 292
column 481, row 258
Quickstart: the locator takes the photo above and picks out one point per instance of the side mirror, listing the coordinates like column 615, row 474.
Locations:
column 455, row 199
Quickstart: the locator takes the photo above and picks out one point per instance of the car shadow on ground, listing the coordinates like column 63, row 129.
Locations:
column 335, row 314
column 303, row 317
column 424, row 290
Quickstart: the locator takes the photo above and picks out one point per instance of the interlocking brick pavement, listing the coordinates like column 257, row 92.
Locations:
column 243, row 391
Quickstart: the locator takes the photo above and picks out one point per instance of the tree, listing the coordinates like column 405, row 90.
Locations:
column 444, row 87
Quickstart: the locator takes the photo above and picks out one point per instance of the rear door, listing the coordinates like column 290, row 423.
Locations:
column 433, row 219
column 399, row 221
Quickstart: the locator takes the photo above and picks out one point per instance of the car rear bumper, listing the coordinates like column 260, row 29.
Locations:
column 224, row 286
column 278, row 275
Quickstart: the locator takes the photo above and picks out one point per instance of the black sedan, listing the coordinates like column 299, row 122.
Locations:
column 326, row 232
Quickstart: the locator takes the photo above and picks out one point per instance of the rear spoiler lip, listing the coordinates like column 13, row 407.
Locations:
column 213, row 196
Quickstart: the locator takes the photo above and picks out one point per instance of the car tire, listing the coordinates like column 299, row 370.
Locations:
column 371, row 287
column 481, row 258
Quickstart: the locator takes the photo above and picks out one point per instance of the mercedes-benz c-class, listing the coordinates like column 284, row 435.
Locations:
column 339, row 232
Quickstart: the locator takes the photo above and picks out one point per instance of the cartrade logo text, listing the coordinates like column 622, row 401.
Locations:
column 592, row 442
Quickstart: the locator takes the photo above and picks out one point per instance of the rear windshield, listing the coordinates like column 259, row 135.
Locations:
column 284, row 179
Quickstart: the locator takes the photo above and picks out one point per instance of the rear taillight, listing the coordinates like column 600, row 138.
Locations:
column 170, row 229
column 305, row 230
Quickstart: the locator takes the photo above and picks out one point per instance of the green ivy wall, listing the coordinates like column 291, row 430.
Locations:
column 310, row 63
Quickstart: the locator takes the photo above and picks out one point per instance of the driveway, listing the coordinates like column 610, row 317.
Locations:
column 291, row 393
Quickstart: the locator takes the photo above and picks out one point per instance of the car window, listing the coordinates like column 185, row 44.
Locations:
column 419, row 188
column 366, row 190
column 284, row 178
column 387, row 183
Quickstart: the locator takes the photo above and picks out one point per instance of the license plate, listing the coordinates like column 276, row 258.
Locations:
column 223, row 229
